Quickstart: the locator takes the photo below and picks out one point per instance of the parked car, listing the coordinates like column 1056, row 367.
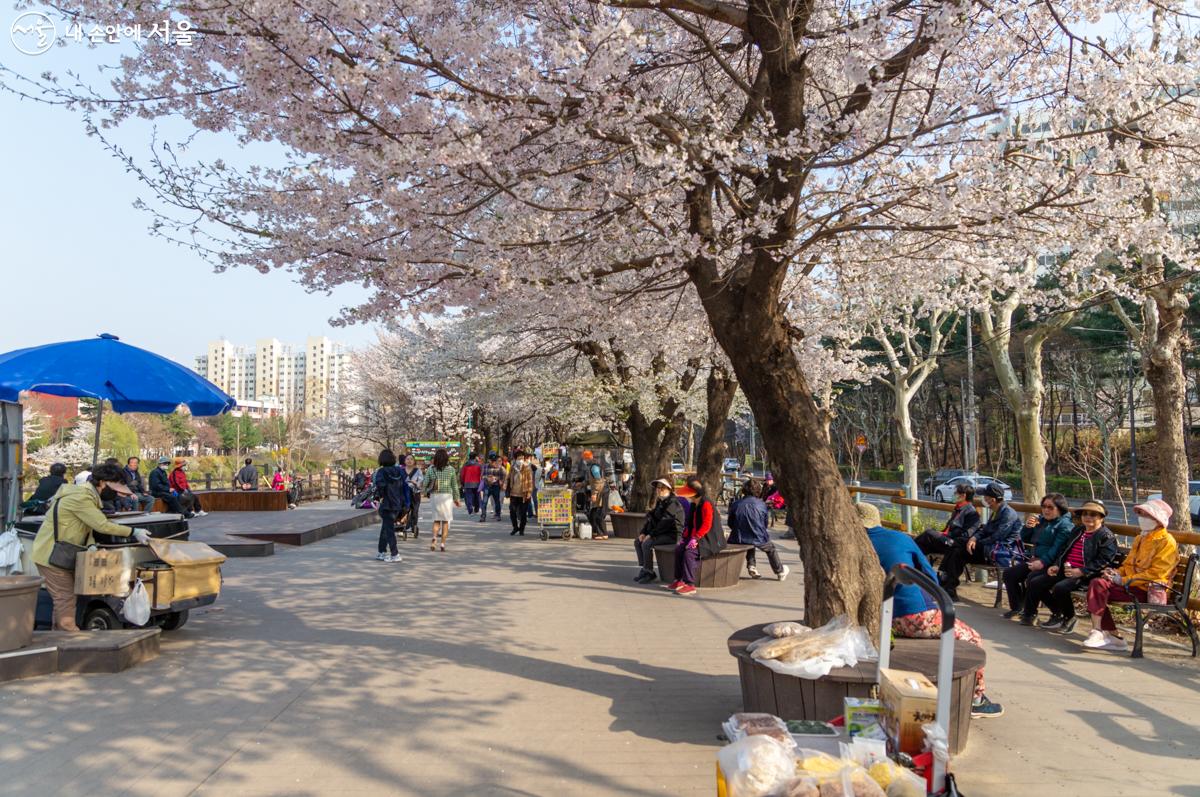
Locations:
column 731, row 465
column 945, row 492
column 941, row 477
column 1193, row 500
column 676, row 466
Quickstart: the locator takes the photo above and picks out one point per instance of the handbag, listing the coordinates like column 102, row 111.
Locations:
column 62, row 555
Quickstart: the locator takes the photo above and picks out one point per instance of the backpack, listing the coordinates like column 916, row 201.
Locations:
column 390, row 490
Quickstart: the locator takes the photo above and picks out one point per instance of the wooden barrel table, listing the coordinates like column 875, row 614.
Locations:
column 795, row 698
column 627, row 525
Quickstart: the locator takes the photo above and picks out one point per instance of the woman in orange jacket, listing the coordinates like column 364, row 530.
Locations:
column 1151, row 560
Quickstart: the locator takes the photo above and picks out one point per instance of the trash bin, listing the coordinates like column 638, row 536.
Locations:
column 18, row 603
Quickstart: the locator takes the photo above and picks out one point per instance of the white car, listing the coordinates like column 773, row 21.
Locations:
column 731, row 465
column 945, row 492
column 1193, row 500
column 676, row 466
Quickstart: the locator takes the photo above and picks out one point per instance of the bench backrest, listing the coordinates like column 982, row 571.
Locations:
column 1185, row 578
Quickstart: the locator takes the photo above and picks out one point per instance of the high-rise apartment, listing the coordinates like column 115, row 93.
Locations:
column 301, row 380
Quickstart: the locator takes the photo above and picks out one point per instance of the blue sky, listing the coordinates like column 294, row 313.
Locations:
column 78, row 259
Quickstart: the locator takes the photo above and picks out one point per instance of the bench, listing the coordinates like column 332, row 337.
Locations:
column 722, row 569
column 238, row 501
column 1176, row 608
column 795, row 698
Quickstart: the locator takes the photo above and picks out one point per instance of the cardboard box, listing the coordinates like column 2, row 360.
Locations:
column 864, row 717
column 108, row 571
column 909, row 701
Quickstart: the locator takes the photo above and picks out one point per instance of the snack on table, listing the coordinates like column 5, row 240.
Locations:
column 778, row 648
column 785, row 629
column 756, row 724
column 756, row 766
column 818, row 764
column 800, row 787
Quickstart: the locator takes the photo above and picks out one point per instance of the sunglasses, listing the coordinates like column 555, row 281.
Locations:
column 1090, row 513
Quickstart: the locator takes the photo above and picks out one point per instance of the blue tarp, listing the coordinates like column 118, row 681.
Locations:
column 129, row 378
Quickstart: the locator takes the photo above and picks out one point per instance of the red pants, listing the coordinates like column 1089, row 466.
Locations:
column 1102, row 592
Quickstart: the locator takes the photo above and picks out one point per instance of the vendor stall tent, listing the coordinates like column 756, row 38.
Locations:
column 128, row 378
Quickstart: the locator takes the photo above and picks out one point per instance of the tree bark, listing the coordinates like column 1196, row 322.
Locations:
column 1161, row 341
column 719, row 390
column 1024, row 392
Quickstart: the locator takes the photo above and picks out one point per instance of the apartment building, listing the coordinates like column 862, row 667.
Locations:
column 297, row 379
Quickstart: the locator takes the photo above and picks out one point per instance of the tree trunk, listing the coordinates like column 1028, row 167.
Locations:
column 1163, row 365
column 653, row 444
column 908, row 443
column 841, row 571
column 719, row 390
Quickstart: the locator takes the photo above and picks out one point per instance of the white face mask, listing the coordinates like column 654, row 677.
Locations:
column 1147, row 524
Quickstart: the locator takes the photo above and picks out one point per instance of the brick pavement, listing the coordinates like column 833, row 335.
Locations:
column 517, row 667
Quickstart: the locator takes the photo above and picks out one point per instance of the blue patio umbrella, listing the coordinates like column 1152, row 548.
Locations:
column 129, row 378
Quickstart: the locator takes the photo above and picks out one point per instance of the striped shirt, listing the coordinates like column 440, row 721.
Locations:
column 1075, row 555
column 443, row 480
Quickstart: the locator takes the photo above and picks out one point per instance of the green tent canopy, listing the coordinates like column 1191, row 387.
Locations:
column 602, row 438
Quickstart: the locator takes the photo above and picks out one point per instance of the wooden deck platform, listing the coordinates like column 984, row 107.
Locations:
column 255, row 533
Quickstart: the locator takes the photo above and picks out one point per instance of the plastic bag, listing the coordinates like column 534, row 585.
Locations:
column 136, row 609
column 851, row 781
column 756, row 766
column 10, row 553
column 745, row 724
column 782, row 629
column 838, row 643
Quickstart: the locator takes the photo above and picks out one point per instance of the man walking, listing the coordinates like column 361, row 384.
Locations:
column 492, row 481
column 469, row 477
column 519, row 488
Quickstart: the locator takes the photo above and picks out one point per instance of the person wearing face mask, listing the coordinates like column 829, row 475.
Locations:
column 702, row 537
column 160, row 488
column 179, row 483
column 1151, row 560
column 73, row 515
column 663, row 524
column 1089, row 550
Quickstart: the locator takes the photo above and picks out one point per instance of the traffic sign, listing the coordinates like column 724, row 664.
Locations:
column 860, row 443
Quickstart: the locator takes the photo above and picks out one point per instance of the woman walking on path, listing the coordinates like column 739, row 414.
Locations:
column 416, row 484
column 390, row 490
column 441, row 487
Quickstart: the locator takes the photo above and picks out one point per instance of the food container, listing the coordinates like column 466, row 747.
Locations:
column 909, row 701
column 197, row 567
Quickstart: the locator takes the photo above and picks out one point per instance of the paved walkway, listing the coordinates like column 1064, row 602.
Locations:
column 520, row 667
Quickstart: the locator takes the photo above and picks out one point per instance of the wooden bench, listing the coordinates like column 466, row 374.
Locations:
column 238, row 501
column 722, row 570
column 795, row 698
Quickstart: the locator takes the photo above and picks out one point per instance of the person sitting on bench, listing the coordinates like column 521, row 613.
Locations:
column 914, row 615
column 748, row 526
column 1048, row 533
column 1091, row 548
column 1151, row 561
column 702, row 538
column 663, row 524
column 964, row 521
column 1001, row 531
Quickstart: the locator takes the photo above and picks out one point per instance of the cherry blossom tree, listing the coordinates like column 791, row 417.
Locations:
column 438, row 151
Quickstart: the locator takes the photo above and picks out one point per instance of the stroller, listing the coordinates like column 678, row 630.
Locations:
column 365, row 499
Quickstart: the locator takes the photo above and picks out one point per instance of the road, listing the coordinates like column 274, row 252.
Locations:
column 1117, row 512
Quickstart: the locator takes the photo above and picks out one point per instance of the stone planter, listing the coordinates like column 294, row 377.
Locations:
column 626, row 525
column 18, row 604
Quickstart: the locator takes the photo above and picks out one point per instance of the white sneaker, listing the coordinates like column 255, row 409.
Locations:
column 396, row 558
column 783, row 574
column 1095, row 639
column 753, row 572
column 381, row 556
column 201, row 513
column 1114, row 643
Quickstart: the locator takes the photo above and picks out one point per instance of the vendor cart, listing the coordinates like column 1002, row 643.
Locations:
column 555, row 512
column 940, row 782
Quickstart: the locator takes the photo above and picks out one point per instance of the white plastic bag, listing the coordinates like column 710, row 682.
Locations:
column 10, row 553
column 137, row 606
column 756, row 766
column 838, row 643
